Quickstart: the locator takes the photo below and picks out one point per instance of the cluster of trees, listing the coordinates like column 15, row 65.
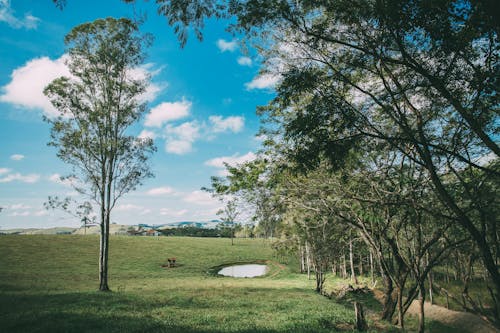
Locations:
column 383, row 128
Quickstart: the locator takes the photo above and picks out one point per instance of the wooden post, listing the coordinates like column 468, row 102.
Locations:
column 360, row 317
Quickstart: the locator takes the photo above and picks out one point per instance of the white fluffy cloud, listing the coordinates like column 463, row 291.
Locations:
column 244, row 61
column 234, row 160
column 4, row 170
column 25, row 213
column 16, row 157
column 27, row 83
column 160, row 191
column 7, row 15
column 263, row 81
column 128, row 208
column 31, row 178
column 200, row 198
column 224, row 45
column 219, row 124
column 41, row 212
column 20, row 206
column 166, row 112
column 180, row 138
column 65, row 181
column 144, row 72
column 145, row 134
column 173, row 212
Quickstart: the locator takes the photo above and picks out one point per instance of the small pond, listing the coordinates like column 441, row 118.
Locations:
column 246, row 271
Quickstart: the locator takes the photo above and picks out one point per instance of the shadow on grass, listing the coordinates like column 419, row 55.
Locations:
column 117, row 312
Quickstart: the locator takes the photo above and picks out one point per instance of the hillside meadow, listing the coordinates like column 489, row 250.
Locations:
column 48, row 283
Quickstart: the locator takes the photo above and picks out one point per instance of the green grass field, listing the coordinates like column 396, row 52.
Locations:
column 49, row 283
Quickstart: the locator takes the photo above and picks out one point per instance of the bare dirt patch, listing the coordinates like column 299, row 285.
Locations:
column 462, row 321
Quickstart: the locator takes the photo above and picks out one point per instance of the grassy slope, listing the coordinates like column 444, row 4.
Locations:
column 48, row 284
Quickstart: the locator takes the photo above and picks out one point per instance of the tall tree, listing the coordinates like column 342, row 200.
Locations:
column 97, row 106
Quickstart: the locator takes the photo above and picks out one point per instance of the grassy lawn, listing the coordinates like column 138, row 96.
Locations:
column 49, row 283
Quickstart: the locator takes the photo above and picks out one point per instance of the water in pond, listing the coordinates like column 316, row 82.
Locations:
column 247, row 271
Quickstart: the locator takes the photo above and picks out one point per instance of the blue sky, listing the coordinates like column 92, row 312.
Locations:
column 202, row 102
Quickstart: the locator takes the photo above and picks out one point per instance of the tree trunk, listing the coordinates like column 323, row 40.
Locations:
column 351, row 262
column 302, row 260
column 344, row 267
column 360, row 264
column 389, row 303
column 103, row 250
column 421, row 313
column 308, row 262
column 401, row 315
column 431, row 283
column 372, row 274
column 360, row 317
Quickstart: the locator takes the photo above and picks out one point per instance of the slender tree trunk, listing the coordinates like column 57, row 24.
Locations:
column 232, row 235
column 302, row 260
column 344, row 267
column 308, row 262
column 351, row 261
column 372, row 274
column 103, row 249
column 360, row 264
column 431, row 285
column 421, row 313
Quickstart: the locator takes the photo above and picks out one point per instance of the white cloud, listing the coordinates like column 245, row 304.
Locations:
column 65, row 181
column 220, row 124
column 178, row 147
column 20, row 214
column 27, row 83
column 128, row 208
column 244, row 61
column 31, row 178
column 166, row 112
column 173, row 212
column 20, row 206
column 180, row 138
column 263, row 81
column 160, row 191
column 224, row 45
column 145, row 72
column 200, row 198
column 234, row 160
column 145, row 134
column 7, row 15
column 4, row 170
column 16, row 157
column 41, row 212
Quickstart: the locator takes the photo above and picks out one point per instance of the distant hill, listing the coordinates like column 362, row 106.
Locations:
column 33, row 231
column 114, row 229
